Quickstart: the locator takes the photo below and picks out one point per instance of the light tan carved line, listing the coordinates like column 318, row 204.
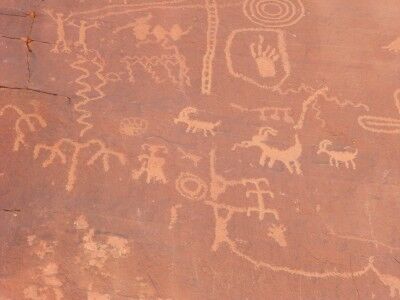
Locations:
column 55, row 151
column 309, row 101
column 86, row 88
column 27, row 118
column 208, row 59
column 379, row 124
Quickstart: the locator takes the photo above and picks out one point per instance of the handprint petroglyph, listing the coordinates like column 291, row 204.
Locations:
column 265, row 58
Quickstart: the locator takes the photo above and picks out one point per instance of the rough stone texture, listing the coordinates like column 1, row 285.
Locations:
column 199, row 149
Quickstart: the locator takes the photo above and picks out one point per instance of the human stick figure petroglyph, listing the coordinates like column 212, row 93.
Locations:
column 265, row 58
column 193, row 125
column 266, row 113
column 208, row 59
column 59, row 19
column 346, row 156
column 27, row 118
column 83, row 28
column 91, row 89
column 289, row 157
column 273, row 13
column 56, row 151
column 379, row 124
column 152, row 164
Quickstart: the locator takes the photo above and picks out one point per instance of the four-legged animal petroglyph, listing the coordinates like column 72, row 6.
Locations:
column 56, row 151
column 193, row 125
column 152, row 164
column 27, row 118
column 346, row 156
column 265, row 58
column 289, row 157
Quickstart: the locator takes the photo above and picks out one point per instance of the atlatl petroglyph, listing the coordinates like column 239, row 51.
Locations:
column 191, row 186
column 59, row 19
column 195, row 159
column 271, row 64
column 27, row 118
column 346, row 156
column 89, row 91
column 273, row 13
column 56, row 151
column 265, row 58
column 83, row 28
column 133, row 126
column 379, row 124
column 289, row 157
column 152, row 164
column 269, row 113
column 193, row 125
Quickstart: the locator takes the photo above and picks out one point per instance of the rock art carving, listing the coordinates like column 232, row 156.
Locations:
column 378, row 124
column 195, row 159
column 152, row 164
column 60, row 44
column 191, row 186
column 273, row 13
column 212, row 33
column 27, row 118
column 346, row 156
column 394, row 46
column 289, row 157
column 269, row 113
column 174, row 215
column 133, row 126
column 83, row 27
column 270, row 61
column 193, row 125
column 56, row 151
column 277, row 233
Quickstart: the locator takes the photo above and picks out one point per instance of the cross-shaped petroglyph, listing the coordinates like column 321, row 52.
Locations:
column 57, row 151
column 27, row 118
column 152, row 164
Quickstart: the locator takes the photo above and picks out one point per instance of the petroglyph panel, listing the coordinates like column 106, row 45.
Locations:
column 199, row 149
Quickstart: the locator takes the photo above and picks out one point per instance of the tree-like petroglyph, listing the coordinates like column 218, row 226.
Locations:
column 56, row 151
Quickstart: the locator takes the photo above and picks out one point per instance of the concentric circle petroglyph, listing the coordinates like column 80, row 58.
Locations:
column 191, row 186
column 274, row 13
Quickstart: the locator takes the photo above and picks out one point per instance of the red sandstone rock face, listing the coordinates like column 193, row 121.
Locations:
column 199, row 149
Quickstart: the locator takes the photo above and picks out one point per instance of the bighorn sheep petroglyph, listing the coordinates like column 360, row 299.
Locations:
column 335, row 157
column 289, row 157
column 194, row 125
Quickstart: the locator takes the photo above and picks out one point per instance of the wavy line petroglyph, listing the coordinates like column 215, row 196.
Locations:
column 271, row 63
column 194, row 125
column 191, row 186
column 152, row 164
column 273, row 13
column 212, row 33
column 379, row 124
column 56, row 151
column 27, row 118
column 269, row 113
column 89, row 91
column 346, row 156
column 289, row 157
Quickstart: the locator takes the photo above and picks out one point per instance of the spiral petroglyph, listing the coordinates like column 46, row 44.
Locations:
column 273, row 13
